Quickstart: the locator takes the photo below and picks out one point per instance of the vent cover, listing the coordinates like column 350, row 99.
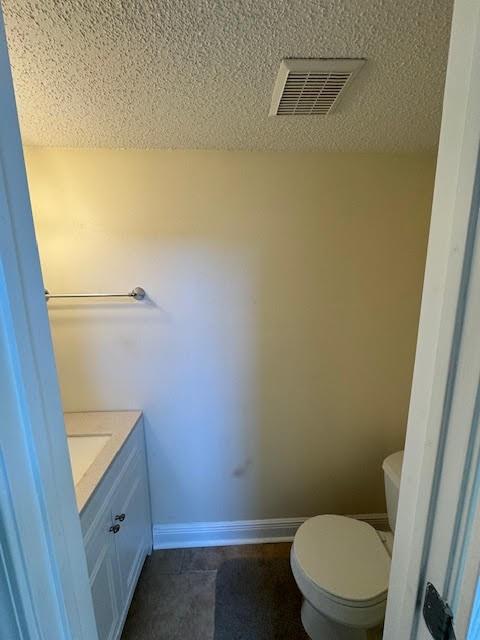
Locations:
column 311, row 87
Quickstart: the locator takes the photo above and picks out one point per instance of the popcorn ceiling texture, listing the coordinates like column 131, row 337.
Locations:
column 200, row 73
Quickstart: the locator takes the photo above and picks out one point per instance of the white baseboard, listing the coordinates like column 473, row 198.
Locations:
column 219, row 534
column 377, row 520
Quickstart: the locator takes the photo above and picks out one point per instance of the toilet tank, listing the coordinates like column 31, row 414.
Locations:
column 392, row 469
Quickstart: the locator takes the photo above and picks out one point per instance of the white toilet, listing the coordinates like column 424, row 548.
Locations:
column 342, row 565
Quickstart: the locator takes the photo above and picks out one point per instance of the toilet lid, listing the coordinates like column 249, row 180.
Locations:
column 343, row 557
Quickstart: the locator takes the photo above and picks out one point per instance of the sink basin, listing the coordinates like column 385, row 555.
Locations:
column 83, row 450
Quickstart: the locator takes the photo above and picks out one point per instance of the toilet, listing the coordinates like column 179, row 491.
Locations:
column 342, row 565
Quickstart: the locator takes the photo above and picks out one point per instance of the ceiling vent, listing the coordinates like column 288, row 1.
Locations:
column 311, row 87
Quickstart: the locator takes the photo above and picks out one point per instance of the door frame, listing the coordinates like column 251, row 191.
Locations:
column 435, row 366
column 51, row 496
column 42, row 553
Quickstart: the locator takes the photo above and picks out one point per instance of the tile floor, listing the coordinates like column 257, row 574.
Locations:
column 175, row 596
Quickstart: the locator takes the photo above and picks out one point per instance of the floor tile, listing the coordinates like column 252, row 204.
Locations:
column 277, row 550
column 212, row 558
column 164, row 561
column 175, row 596
column 257, row 599
column 172, row 607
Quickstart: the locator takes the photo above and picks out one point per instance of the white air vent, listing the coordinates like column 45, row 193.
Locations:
column 311, row 87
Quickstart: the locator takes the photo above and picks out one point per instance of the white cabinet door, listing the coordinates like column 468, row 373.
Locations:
column 118, row 535
column 104, row 577
column 104, row 593
column 131, row 512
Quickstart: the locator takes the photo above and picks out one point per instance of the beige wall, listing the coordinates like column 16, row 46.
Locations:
column 274, row 359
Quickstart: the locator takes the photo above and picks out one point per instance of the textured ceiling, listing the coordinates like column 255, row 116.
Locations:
column 200, row 73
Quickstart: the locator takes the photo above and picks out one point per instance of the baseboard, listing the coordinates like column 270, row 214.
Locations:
column 377, row 520
column 219, row 534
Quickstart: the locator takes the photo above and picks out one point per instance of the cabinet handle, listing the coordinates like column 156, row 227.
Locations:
column 120, row 517
column 115, row 528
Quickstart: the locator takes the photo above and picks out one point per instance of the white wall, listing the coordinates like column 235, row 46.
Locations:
column 274, row 359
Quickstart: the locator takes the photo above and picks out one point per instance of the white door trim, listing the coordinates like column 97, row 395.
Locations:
column 43, row 556
column 454, row 185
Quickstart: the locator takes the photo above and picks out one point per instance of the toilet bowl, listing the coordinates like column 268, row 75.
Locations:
column 342, row 565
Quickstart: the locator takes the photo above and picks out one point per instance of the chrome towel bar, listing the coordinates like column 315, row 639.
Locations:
column 137, row 294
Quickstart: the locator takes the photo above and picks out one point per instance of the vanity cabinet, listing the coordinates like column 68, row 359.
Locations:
column 117, row 534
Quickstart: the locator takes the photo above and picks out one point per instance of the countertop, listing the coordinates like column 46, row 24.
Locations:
column 116, row 424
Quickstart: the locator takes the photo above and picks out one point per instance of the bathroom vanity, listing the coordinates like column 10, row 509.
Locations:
column 107, row 452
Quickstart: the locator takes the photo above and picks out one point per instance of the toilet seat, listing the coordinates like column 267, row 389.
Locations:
column 342, row 567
